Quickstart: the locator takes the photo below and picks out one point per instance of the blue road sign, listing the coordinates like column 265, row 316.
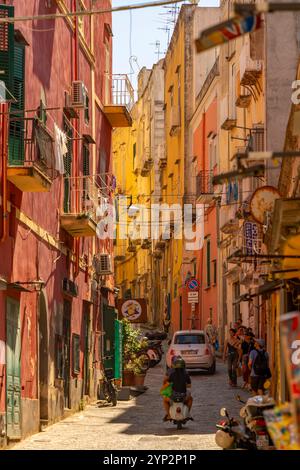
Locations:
column 193, row 284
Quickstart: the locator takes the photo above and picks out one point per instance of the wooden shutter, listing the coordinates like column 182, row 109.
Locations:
column 16, row 128
column 68, row 167
column 7, row 47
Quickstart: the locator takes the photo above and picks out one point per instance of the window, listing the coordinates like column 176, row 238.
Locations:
column 7, row 47
column 81, row 7
column 189, row 339
column 76, row 354
column 87, row 109
column 59, row 358
column 16, row 128
column 214, row 263
column 68, row 166
column 236, row 304
column 208, row 278
column 134, row 154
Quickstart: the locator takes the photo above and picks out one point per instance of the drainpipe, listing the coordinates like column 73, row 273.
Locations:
column 4, row 148
column 75, row 142
column 202, row 254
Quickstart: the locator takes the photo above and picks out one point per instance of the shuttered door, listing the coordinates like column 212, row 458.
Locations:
column 16, row 128
column 68, row 167
column 109, row 317
column 118, row 349
column 7, row 48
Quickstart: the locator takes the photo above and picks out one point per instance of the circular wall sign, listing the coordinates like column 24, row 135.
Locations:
column 131, row 309
column 262, row 202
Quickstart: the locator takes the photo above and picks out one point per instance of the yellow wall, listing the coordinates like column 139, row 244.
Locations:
column 175, row 151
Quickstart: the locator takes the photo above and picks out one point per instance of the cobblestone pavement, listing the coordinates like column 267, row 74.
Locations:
column 137, row 424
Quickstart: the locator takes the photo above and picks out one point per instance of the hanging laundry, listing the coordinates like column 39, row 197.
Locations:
column 61, row 149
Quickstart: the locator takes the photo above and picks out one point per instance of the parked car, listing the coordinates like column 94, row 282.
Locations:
column 194, row 347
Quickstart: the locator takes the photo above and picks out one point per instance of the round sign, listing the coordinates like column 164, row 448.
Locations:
column 193, row 284
column 131, row 309
column 262, row 202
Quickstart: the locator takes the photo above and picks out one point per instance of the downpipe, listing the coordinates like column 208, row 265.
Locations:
column 4, row 109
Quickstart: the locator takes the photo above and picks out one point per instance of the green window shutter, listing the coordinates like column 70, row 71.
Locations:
column 7, row 47
column 86, row 161
column 208, row 263
column 16, row 128
column 68, row 167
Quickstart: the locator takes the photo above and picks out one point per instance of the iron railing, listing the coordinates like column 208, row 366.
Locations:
column 31, row 144
column 121, row 92
column 204, row 185
column 88, row 196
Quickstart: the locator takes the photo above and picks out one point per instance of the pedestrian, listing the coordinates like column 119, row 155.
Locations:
column 259, row 367
column 212, row 333
column 247, row 346
column 232, row 350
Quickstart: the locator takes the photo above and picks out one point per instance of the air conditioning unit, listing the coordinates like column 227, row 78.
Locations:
column 102, row 264
column 78, row 95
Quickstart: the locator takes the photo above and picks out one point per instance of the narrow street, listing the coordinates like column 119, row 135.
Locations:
column 137, row 424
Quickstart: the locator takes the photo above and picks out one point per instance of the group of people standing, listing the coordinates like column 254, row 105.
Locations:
column 246, row 356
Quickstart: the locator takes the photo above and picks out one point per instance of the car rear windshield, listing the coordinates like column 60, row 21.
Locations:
column 189, row 339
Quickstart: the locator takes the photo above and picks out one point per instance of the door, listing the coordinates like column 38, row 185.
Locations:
column 66, row 351
column 109, row 317
column 118, row 349
column 13, row 369
column 86, row 332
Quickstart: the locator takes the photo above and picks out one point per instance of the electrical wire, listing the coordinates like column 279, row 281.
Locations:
column 55, row 16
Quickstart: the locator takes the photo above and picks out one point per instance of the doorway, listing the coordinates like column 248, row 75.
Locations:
column 43, row 357
column 66, row 351
column 13, row 369
column 86, row 351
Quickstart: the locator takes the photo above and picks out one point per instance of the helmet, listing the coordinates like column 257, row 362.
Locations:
column 178, row 362
column 223, row 439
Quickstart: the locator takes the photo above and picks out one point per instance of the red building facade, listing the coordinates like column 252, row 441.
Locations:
column 52, row 295
column 205, row 149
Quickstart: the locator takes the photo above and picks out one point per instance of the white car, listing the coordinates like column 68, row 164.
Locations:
column 194, row 347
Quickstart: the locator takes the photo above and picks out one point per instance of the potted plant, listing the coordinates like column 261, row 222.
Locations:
column 131, row 346
column 139, row 374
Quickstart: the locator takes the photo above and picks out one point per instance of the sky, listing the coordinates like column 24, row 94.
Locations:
column 139, row 40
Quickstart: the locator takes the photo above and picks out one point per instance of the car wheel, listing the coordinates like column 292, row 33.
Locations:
column 212, row 369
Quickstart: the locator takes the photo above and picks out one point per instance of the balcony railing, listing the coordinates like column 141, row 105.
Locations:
column 246, row 245
column 85, row 200
column 204, row 186
column 31, row 154
column 119, row 100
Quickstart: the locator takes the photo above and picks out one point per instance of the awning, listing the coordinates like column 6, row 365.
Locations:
column 266, row 288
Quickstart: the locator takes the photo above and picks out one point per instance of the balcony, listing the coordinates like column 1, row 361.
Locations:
column 146, row 244
column 82, row 200
column 227, row 114
column 119, row 101
column 204, row 187
column 31, row 165
column 246, row 244
column 250, row 70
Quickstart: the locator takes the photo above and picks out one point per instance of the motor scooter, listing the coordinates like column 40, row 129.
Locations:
column 254, row 420
column 231, row 434
column 179, row 411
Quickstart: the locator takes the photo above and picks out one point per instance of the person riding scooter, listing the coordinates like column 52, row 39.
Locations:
column 180, row 380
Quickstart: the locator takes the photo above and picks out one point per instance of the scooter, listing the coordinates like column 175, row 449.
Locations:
column 179, row 411
column 231, row 434
column 254, row 421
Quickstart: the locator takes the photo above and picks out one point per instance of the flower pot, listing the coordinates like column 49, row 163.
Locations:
column 128, row 378
column 139, row 380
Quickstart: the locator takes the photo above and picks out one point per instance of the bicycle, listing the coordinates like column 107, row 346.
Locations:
column 109, row 389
